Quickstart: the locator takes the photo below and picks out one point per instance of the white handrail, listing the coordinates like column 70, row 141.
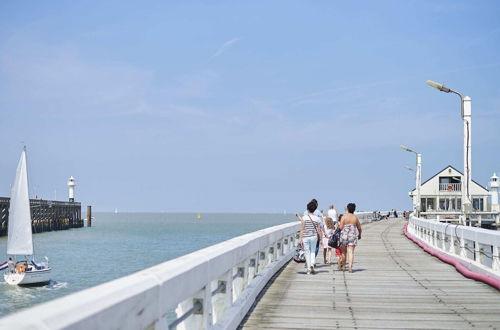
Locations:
column 475, row 246
column 212, row 288
column 142, row 300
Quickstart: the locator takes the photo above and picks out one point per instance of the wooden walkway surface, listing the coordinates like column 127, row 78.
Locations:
column 395, row 285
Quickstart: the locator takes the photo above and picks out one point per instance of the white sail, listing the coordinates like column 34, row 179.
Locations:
column 20, row 240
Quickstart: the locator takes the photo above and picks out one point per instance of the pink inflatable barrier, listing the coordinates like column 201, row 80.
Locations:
column 459, row 265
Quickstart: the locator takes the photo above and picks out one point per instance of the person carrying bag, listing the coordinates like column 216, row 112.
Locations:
column 309, row 234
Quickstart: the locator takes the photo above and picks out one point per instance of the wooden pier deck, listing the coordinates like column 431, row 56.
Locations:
column 395, row 285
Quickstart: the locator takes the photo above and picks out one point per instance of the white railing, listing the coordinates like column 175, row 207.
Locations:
column 365, row 217
column 212, row 288
column 450, row 187
column 475, row 246
column 477, row 217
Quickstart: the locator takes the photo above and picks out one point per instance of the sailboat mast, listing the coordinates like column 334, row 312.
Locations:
column 29, row 201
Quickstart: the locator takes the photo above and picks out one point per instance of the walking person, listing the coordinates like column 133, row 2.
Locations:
column 338, row 250
column 320, row 216
column 332, row 213
column 309, row 232
column 351, row 233
column 329, row 227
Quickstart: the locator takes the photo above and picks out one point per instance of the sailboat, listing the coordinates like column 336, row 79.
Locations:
column 24, row 270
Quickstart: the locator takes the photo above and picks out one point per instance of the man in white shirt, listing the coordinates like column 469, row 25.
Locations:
column 332, row 213
column 12, row 265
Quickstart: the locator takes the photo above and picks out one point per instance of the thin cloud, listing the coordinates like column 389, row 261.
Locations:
column 225, row 46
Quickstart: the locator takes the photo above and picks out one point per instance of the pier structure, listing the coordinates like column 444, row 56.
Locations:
column 45, row 215
column 405, row 276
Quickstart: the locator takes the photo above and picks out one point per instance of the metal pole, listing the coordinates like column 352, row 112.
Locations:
column 466, row 182
column 89, row 216
column 418, row 175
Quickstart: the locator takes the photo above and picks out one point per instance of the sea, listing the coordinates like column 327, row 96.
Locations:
column 120, row 244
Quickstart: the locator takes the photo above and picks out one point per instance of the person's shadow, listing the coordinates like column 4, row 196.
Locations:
column 358, row 270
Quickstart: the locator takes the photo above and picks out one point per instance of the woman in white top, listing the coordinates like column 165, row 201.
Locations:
column 309, row 232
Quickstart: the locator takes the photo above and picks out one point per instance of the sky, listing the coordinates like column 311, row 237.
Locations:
column 244, row 106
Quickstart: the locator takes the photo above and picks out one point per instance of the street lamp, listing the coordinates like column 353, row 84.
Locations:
column 418, row 178
column 466, row 111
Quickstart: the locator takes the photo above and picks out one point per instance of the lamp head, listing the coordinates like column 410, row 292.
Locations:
column 439, row 86
column 406, row 148
column 409, row 168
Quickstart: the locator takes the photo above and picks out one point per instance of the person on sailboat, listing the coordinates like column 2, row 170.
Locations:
column 12, row 265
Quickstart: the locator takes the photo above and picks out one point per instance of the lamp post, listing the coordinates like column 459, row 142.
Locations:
column 418, row 177
column 466, row 111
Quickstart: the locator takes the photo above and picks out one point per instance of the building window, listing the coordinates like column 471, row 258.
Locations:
column 477, row 204
column 442, row 204
column 449, row 179
column 450, row 203
column 427, row 204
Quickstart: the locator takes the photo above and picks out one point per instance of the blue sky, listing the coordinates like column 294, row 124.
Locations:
column 210, row 106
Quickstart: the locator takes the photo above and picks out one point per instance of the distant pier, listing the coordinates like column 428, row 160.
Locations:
column 46, row 215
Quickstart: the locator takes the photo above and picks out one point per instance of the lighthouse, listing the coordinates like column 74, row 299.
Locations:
column 71, row 188
column 494, row 184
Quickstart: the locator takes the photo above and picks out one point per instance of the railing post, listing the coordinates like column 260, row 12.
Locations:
column 207, row 315
column 463, row 251
column 286, row 244
column 451, row 249
column 279, row 248
column 477, row 252
column 252, row 267
column 262, row 261
column 237, row 277
column 443, row 238
column 495, row 263
column 271, row 254
column 198, row 320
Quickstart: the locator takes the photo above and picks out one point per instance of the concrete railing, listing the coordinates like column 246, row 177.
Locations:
column 212, row 288
column 476, row 217
column 365, row 217
column 477, row 247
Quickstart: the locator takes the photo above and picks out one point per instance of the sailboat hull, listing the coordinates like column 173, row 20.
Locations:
column 33, row 277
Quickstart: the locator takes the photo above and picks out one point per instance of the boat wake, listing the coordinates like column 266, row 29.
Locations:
column 54, row 285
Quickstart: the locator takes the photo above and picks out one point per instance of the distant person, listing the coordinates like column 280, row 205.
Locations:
column 327, row 232
column 11, row 265
column 395, row 213
column 332, row 213
column 351, row 232
column 338, row 250
column 309, row 231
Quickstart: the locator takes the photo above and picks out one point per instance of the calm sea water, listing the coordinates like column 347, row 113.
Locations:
column 121, row 244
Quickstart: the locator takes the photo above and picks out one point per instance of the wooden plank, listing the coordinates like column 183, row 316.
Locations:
column 394, row 285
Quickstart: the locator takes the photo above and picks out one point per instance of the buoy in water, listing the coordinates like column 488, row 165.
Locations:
column 198, row 216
